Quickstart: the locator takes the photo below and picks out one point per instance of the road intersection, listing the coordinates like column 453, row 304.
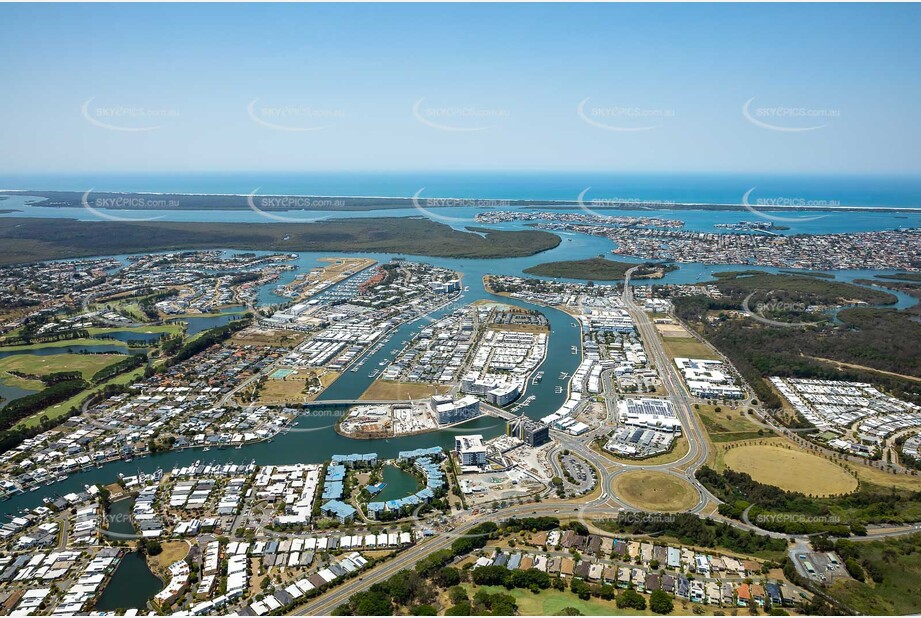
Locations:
column 607, row 504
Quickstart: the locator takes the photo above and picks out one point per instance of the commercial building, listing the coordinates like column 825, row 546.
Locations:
column 529, row 431
column 450, row 410
column 649, row 413
column 706, row 379
column 446, row 287
column 471, row 450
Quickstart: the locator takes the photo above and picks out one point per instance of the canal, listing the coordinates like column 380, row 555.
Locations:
column 133, row 584
column 312, row 438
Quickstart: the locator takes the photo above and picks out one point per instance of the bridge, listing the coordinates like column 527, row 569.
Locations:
column 325, row 403
column 345, row 403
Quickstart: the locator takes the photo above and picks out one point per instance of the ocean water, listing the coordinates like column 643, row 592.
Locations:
column 886, row 191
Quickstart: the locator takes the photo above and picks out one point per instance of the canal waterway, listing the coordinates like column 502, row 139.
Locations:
column 133, row 584
column 312, row 438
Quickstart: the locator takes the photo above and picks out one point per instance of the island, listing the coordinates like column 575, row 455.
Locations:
column 25, row 239
column 598, row 269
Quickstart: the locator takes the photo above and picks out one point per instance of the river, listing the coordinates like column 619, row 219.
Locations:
column 312, row 438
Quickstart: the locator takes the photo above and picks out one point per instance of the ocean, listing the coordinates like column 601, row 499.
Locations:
column 683, row 188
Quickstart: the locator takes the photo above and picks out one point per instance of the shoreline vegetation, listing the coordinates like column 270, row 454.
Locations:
column 598, row 269
column 867, row 338
column 137, row 200
column 27, row 239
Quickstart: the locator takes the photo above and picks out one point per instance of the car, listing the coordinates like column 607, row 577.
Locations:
column 802, row 556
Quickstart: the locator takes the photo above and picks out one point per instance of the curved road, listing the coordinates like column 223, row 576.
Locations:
column 683, row 468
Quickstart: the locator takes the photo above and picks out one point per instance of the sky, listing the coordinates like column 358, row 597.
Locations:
column 830, row 89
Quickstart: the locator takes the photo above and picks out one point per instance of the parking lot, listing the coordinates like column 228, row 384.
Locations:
column 580, row 472
column 822, row 567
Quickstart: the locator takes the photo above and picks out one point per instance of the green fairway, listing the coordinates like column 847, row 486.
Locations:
column 172, row 329
column 63, row 344
column 33, row 364
column 550, row 601
column 62, row 408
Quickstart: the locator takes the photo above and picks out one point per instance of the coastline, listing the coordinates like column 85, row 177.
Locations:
column 410, row 201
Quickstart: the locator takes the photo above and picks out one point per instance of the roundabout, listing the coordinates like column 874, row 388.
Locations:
column 650, row 490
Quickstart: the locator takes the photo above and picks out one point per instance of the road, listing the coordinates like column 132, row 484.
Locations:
column 698, row 447
column 607, row 503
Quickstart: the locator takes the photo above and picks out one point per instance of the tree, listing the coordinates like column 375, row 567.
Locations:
column 461, row 609
column 457, row 595
column 424, row 610
column 630, row 599
column 448, row 576
column 580, row 589
column 854, row 569
column 661, row 602
column 373, row 603
column 153, row 548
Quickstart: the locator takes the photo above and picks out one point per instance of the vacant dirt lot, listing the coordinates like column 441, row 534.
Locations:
column 655, row 491
column 790, row 469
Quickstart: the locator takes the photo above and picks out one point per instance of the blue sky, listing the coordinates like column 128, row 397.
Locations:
column 495, row 87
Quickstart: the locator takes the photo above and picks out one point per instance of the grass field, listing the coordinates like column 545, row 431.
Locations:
column 173, row 551
column 729, row 424
column 550, row 601
column 86, row 364
column 655, row 491
column 63, row 344
column 790, row 469
column 255, row 335
column 289, row 390
column 172, row 329
column 897, row 564
column 62, row 408
column 687, row 347
column 886, row 479
column 387, row 389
